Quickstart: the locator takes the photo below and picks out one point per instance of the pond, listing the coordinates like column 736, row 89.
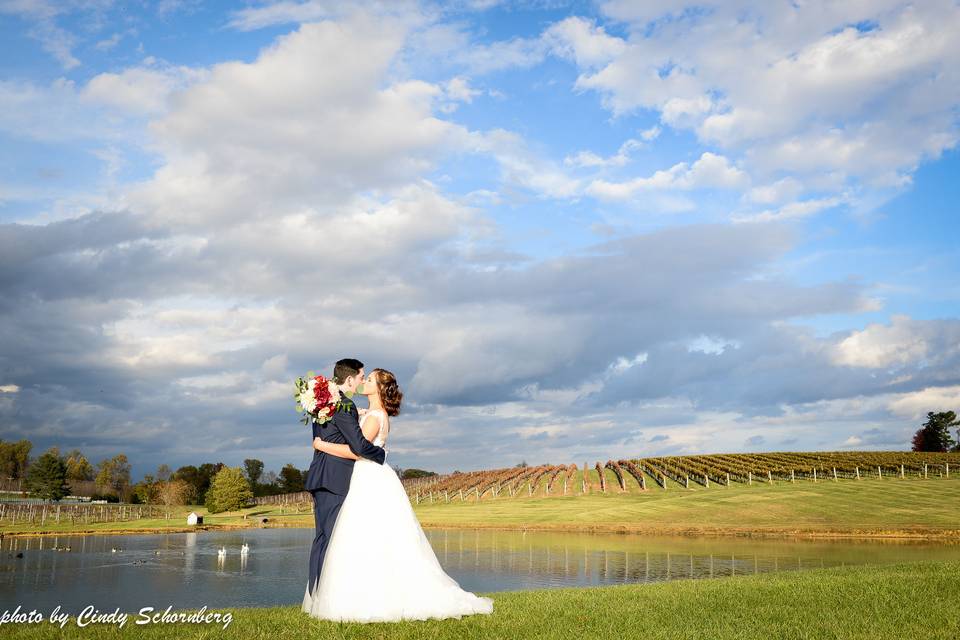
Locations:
column 183, row 570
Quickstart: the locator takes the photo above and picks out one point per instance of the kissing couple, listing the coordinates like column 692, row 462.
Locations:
column 370, row 560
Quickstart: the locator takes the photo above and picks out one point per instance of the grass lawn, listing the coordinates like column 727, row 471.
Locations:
column 891, row 506
column 847, row 507
column 895, row 601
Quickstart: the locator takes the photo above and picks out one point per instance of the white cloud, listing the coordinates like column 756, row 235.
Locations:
column 9, row 388
column 917, row 404
column 43, row 15
column 591, row 159
column 525, row 168
column 903, row 342
column 49, row 113
column 261, row 138
column 782, row 190
column 583, row 42
column 786, row 87
column 108, row 43
column 277, row 12
column 459, row 89
column 650, row 134
column 139, row 90
column 518, row 53
column 793, row 210
column 710, row 171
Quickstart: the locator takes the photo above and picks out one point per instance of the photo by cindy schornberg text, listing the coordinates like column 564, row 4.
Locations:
column 90, row 616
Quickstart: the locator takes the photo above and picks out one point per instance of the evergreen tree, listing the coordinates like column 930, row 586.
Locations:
column 228, row 491
column 934, row 435
column 291, row 479
column 47, row 477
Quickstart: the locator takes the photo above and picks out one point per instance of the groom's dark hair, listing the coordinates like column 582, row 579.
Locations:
column 346, row 368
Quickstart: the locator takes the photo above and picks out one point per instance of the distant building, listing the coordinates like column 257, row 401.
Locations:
column 193, row 518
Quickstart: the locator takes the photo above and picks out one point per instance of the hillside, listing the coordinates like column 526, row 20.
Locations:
column 642, row 475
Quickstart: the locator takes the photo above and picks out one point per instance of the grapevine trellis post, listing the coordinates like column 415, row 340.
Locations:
column 858, row 473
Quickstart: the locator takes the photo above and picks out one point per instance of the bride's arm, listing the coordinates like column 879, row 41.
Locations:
column 370, row 429
column 338, row 450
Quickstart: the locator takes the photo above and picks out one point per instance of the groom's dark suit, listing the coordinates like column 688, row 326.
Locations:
column 328, row 478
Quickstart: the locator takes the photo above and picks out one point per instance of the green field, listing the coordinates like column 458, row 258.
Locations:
column 917, row 600
column 869, row 507
column 892, row 506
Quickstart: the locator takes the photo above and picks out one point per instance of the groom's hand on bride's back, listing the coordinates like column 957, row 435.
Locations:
column 348, row 423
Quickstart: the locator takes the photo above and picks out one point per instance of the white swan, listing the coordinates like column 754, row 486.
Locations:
column 245, row 548
column 222, row 553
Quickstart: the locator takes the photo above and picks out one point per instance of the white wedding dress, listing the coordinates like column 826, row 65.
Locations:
column 379, row 565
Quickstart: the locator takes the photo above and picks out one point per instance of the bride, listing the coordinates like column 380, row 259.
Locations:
column 379, row 566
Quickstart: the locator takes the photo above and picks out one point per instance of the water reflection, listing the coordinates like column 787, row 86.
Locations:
column 504, row 560
column 184, row 570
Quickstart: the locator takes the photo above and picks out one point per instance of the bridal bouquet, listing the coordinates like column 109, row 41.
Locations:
column 316, row 397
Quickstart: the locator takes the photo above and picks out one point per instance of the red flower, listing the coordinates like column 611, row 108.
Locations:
column 321, row 392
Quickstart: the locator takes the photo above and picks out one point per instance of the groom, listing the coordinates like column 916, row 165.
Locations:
column 328, row 478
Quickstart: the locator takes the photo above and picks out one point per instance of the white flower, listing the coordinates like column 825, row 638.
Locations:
column 308, row 402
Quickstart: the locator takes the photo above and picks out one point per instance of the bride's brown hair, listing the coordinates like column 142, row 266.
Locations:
column 390, row 394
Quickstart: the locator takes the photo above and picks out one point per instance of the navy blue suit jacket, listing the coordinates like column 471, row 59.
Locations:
column 333, row 473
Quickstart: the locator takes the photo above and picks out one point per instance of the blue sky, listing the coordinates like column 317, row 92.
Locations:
column 576, row 231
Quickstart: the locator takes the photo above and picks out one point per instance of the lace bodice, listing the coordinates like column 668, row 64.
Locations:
column 381, row 438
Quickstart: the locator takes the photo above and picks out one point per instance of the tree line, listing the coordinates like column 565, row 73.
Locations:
column 53, row 476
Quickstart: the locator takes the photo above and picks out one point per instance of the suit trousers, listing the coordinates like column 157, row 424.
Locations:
column 326, row 508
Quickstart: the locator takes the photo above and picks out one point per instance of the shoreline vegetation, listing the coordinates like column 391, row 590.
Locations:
column 907, row 600
column 871, row 509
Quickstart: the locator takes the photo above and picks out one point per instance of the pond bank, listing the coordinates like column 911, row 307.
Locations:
column 945, row 535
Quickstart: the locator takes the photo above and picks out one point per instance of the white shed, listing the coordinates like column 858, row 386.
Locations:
column 193, row 518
